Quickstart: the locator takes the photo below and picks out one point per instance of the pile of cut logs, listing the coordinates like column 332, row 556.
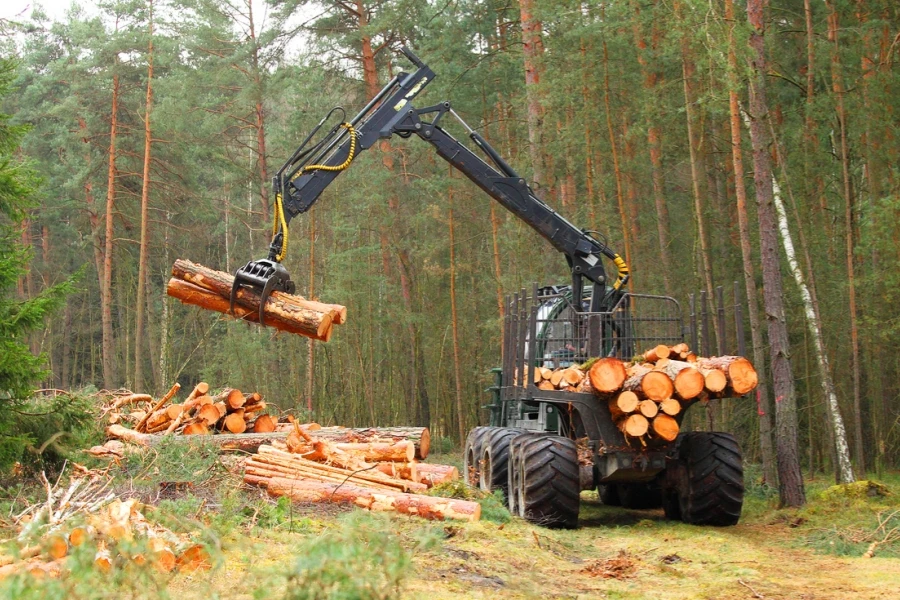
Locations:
column 85, row 513
column 228, row 411
column 380, row 474
column 210, row 289
column 645, row 395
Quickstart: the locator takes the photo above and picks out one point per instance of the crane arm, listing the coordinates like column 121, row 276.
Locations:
column 311, row 169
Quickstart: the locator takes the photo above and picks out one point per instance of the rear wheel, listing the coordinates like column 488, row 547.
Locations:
column 710, row 479
column 472, row 458
column 609, row 494
column 494, row 474
column 547, row 481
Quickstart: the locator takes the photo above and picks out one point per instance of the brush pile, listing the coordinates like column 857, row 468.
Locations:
column 645, row 395
column 85, row 513
column 379, row 476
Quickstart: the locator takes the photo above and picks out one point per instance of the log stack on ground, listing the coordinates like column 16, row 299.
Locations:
column 310, row 466
column 210, row 289
column 227, row 412
column 645, row 396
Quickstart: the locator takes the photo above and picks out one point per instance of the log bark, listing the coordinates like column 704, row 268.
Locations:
column 307, row 318
column 269, row 454
column 428, row 507
column 379, row 452
column 741, row 375
column 649, row 384
column 419, row 436
column 607, row 375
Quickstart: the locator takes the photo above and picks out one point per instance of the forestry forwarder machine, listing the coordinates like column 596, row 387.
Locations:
column 529, row 451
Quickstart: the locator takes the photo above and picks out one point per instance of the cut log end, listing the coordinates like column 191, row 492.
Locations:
column 607, row 375
column 665, row 427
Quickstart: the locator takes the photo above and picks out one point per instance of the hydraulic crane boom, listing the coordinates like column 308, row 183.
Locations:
column 306, row 174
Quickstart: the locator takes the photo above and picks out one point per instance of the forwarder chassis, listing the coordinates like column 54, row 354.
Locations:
column 530, row 448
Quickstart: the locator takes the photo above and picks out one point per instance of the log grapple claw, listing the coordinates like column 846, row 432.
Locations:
column 264, row 276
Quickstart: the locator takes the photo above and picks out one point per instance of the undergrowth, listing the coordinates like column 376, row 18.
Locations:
column 362, row 556
column 845, row 520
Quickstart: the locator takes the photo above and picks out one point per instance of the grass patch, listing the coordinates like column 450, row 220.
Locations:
column 362, row 557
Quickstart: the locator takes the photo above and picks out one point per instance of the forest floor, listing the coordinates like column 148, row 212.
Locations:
column 267, row 549
column 813, row 553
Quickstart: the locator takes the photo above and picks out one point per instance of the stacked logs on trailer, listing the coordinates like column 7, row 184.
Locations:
column 377, row 476
column 210, row 289
column 645, row 395
column 201, row 413
column 85, row 514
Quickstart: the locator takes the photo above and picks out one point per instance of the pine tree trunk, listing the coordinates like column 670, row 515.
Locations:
column 687, row 69
column 623, row 214
column 141, row 298
column 654, row 143
column 838, row 88
column 764, row 408
column 311, row 349
column 261, row 161
column 532, row 50
column 454, row 322
column 790, row 484
column 108, row 356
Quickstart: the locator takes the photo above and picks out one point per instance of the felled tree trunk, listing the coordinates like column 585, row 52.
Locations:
column 248, row 442
column 428, row 507
column 688, row 381
column 282, row 311
column 419, row 436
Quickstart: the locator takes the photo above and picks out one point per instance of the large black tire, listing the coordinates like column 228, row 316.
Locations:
column 472, row 457
column 549, row 485
column 639, row 496
column 710, row 477
column 494, row 473
column 512, row 470
column 609, row 494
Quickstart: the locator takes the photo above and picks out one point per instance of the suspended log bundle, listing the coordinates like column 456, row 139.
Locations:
column 309, row 467
column 644, row 396
column 210, row 289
